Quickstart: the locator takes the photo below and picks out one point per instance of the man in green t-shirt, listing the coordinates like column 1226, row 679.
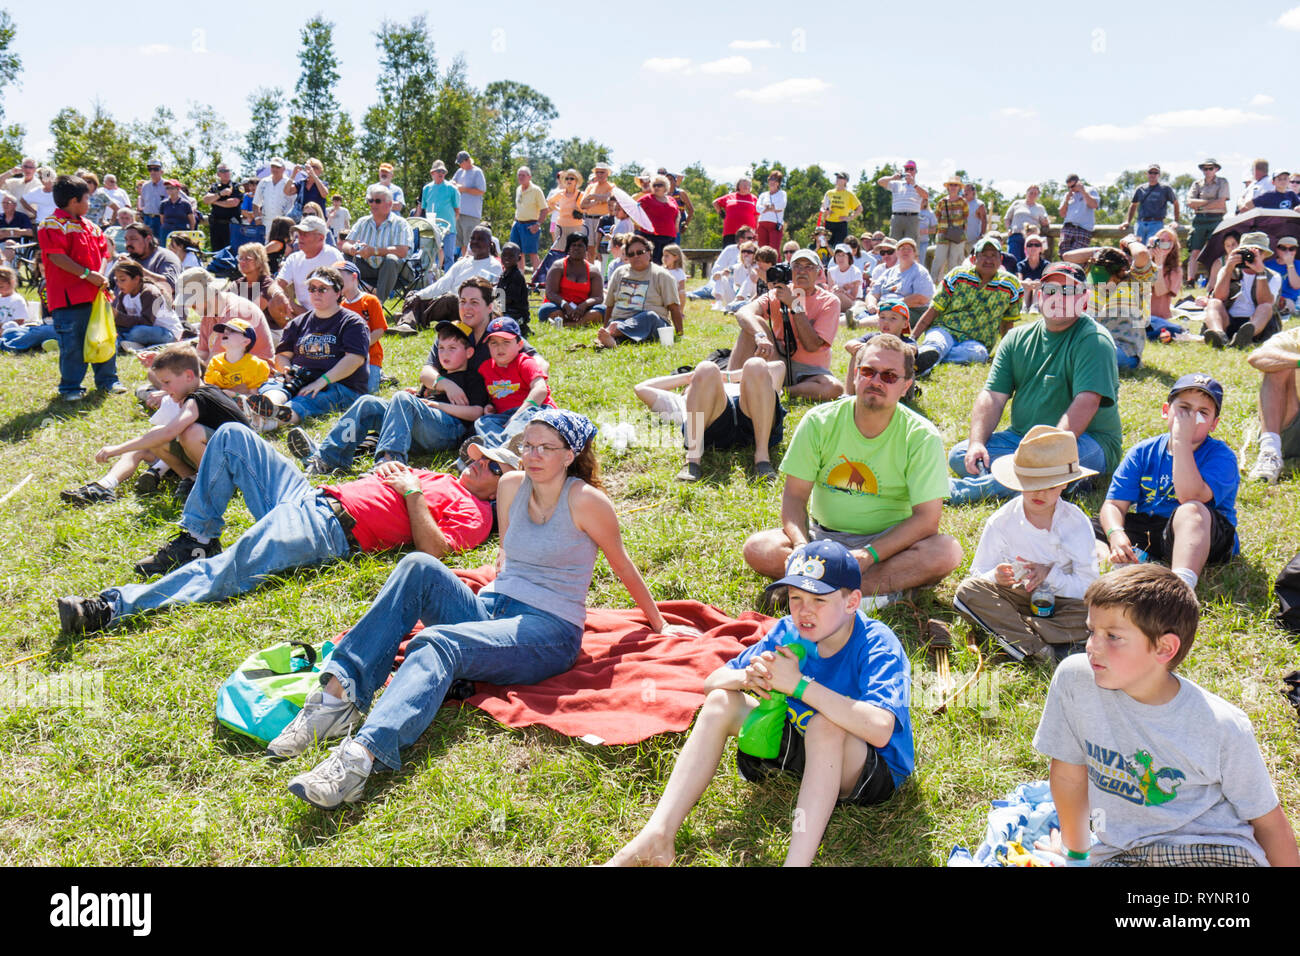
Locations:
column 867, row 472
column 1062, row 372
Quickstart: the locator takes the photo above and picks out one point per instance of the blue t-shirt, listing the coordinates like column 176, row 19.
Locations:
column 1026, row 271
column 1152, row 200
column 440, row 200
column 1146, row 478
column 870, row 667
column 1276, row 200
column 1289, row 291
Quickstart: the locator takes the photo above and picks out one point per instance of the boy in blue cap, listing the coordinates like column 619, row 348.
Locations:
column 516, row 384
column 847, row 733
column 1182, row 487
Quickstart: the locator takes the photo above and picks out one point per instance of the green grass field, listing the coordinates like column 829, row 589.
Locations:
column 147, row 780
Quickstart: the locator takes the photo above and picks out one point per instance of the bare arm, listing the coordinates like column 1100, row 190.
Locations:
column 794, row 509
column 1069, row 783
column 1273, row 356
column 921, row 524
column 154, row 436
column 923, row 323
column 425, row 533
column 1274, row 834
column 594, row 515
column 1079, row 415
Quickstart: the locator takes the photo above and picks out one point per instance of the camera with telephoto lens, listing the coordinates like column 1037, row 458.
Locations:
column 779, row 273
column 1247, row 257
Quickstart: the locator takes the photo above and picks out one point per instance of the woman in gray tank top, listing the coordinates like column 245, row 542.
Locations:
column 522, row 628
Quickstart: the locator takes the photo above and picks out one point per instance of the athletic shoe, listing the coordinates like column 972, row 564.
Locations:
column 691, row 471
column 183, row 489
column 72, row 396
column 317, row 467
column 764, row 471
column 404, row 330
column 926, row 359
column 117, row 388
column 50, row 345
column 338, row 780
column 182, row 549
column 1267, row 467
column 318, row 720
column 368, row 444
column 78, row 615
column 1214, row 338
column 1244, row 338
column 264, row 406
column 300, row 444
column 91, row 494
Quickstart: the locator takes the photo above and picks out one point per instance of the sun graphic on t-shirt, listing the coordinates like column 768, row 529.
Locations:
column 852, row 476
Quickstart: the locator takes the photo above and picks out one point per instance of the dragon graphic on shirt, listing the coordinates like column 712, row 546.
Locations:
column 1158, row 786
column 1133, row 778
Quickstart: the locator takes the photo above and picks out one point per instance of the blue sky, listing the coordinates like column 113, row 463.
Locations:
column 1008, row 97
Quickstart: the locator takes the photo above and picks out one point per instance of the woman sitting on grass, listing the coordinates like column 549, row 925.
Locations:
column 573, row 288
column 522, row 628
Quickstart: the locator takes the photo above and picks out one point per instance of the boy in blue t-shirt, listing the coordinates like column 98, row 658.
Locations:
column 847, row 732
column 1182, row 485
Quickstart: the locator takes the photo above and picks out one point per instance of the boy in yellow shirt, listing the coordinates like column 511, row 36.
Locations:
column 234, row 369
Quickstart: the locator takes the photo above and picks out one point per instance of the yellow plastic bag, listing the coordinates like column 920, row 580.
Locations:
column 101, row 332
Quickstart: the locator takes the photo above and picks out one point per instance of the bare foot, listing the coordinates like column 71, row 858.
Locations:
column 645, row 849
column 606, row 340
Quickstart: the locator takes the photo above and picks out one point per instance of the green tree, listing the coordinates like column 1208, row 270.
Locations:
column 314, row 119
column 262, row 141
column 393, row 129
column 11, row 63
column 99, row 143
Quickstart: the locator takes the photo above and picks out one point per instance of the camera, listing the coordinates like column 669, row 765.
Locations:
column 1247, row 257
column 779, row 273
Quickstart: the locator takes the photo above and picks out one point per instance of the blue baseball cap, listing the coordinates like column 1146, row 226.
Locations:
column 821, row 567
column 346, row 266
column 1201, row 382
column 503, row 326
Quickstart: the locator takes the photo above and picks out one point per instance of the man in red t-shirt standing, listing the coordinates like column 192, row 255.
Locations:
column 73, row 251
column 297, row 525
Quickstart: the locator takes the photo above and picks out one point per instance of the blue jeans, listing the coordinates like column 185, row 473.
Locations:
column 70, row 328
column 548, row 309
column 1146, row 228
column 498, row 429
column 401, row 421
column 489, row 638
column 1124, row 359
column 147, row 335
column 154, row 222
column 449, row 248
column 950, row 350
column 1015, row 245
column 27, row 337
column 1158, row 325
column 294, row 526
column 331, row 398
column 374, row 373
column 967, row 488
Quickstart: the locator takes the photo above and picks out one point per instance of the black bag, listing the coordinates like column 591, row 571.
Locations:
column 1287, row 589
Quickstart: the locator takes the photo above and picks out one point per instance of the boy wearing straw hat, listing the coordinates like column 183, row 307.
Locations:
column 1034, row 541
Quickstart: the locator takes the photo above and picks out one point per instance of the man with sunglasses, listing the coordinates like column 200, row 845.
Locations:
column 1061, row 369
column 378, row 244
column 1284, row 264
column 867, row 472
column 296, row 525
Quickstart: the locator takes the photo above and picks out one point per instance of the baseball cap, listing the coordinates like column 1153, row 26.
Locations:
column 1153, row 168
column 500, row 454
column 910, row 164
column 1201, row 382
column 456, row 326
column 1062, row 271
column 277, row 161
column 905, row 241
column 311, row 224
column 172, row 183
column 238, row 325
column 894, row 303
column 821, row 567
column 462, row 156
column 807, row 255
column 504, row 325
column 841, row 175
column 984, row 241
column 152, row 164
column 348, row 266
column 845, row 248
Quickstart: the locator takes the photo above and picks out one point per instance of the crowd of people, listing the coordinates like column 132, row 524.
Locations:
column 1108, row 600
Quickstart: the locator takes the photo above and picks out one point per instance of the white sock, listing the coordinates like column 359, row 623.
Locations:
column 329, row 699
column 1187, row 576
column 1270, row 441
column 108, row 481
column 201, row 538
column 354, row 750
column 160, row 468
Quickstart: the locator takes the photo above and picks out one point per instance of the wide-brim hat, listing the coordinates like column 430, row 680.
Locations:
column 1046, row 458
column 1207, row 163
column 1257, row 241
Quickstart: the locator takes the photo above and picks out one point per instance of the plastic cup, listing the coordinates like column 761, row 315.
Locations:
column 665, row 335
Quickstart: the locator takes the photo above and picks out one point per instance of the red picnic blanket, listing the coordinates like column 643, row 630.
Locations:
column 627, row 683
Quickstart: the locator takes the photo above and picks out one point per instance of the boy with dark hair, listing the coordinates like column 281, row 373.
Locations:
column 178, row 441
column 1182, row 486
column 847, row 732
column 512, row 288
column 1170, row 774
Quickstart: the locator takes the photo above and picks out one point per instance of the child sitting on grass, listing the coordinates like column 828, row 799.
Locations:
column 894, row 318
column 1181, row 485
column 1034, row 540
column 179, row 442
column 847, row 733
column 234, row 369
column 372, row 310
column 512, row 288
column 1171, row 773
column 516, row 385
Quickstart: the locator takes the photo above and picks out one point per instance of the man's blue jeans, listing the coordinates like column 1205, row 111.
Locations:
column 490, row 638
column 950, row 350
column 1146, row 228
column 403, row 422
column 70, row 327
column 967, row 488
column 295, row 526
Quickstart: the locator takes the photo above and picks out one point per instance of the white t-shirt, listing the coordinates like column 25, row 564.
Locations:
column 1244, row 304
column 297, row 267
column 13, row 310
column 43, row 203
column 1022, row 213
column 339, row 220
column 771, row 207
column 847, row 277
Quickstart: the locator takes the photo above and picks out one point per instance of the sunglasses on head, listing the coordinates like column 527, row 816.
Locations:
column 888, row 376
column 319, row 289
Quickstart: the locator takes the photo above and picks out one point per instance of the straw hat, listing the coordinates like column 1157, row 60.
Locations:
column 1047, row 457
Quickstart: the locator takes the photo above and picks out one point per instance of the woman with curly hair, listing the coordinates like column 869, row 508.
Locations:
column 1120, row 282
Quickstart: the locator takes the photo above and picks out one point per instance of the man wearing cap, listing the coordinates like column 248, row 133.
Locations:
column 840, row 206
column 379, row 243
column 1242, row 309
column 1062, row 372
column 471, row 184
column 313, row 252
column 1282, row 196
column 905, row 207
column 386, row 180
column 295, row 526
column 1150, row 202
column 176, row 212
column 867, row 472
column 225, row 198
column 595, row 206
column 1279, row 404
column 270, row 200
column 1284, row 265
column 1208, row 200
column 951, row 214
column 440, row 200
column 813, row 316
column 1078, row 213
column 530, row 206
column 972, row 306
column 438, row 300
column 903, row 276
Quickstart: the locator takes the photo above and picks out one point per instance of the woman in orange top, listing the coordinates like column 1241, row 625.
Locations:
column 565, row 209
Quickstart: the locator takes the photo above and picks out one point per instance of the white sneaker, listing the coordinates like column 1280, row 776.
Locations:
column 874, row 602
column 340, row 779
column 1268, row 467
column 318, row 720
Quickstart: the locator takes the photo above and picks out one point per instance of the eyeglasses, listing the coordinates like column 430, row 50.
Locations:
column 1054, row 289
column 493, row 467
column 528, row 449
column 320, row 289
column 887, row 376
column 1033, row 245
column 638, row 252
column 1286, row 248
column 375, row 202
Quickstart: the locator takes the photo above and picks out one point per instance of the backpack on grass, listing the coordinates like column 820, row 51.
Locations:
column 268, row 689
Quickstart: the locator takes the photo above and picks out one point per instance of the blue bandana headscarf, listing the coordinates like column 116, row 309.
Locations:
column 576, row 430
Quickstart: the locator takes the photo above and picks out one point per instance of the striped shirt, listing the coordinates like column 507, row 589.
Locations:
column 970, row 309
column 949, row 213
column 394, row 231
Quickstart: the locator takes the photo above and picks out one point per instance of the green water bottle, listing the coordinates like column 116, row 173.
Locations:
column 760, row 736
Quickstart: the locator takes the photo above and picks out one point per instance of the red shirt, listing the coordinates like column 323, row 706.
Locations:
column 508, row 387
column 383, row 523
column 80, row 240
column 663, row 215
column 370, row 309
column 738, row 209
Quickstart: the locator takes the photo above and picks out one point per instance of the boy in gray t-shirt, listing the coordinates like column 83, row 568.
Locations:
column 1168, row 773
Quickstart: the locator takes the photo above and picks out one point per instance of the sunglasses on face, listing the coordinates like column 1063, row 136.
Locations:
column 1054, row 289
column 319, row 289
column 374, row 202
column 1286, row 248
column 887, row 376
column 638, row 252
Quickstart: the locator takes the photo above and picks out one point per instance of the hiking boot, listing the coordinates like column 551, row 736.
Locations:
column 300, row 444
column 691, row 471
column 318, row 720
column 926, row 359
column 183, row 489
column 78, row 615
column 338, row 780
column 1267, row 467
column 264, row 406
column 182, row 549
column 90, row 494
column 1244, row 337
column 147, row 482
column 1214, row 338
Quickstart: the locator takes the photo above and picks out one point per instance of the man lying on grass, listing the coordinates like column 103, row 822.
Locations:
column 847, row 732
column 297, row 525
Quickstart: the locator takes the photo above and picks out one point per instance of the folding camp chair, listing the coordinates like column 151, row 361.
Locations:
column 411, row 275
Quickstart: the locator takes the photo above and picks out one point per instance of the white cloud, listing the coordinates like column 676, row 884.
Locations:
column 1290, row 20
column 728, row 64
column 786, row 90
column 1211, row 116
column 1016, row 112
column 154, row 49
column 665, row 64
column 753, row 45
column 1261, row 99
column 726, row 174
column 1110, row 133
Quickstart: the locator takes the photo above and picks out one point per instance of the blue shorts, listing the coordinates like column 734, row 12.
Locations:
column 525, row 238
